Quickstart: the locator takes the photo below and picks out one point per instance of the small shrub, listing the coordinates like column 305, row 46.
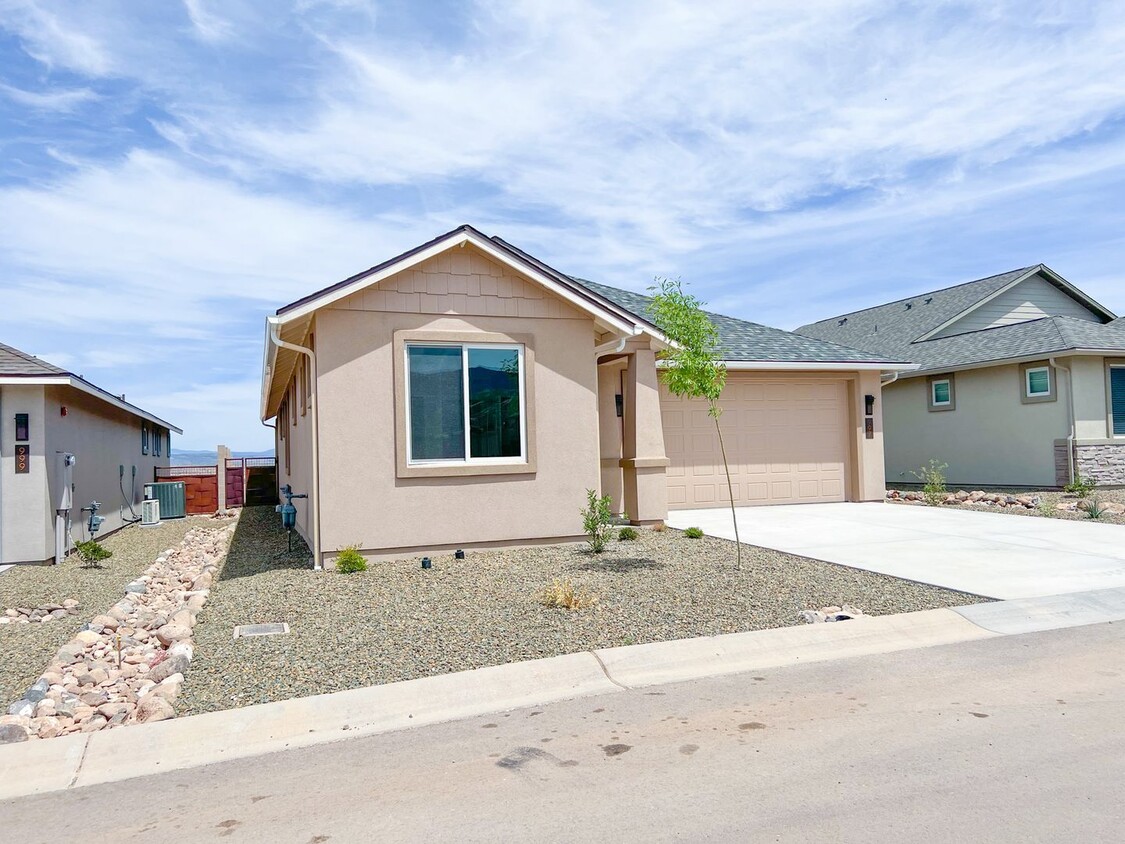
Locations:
column 1094, row 508
column 628, row 534
column 658, row 527
column 561, row 594
column 933, row 482
column 597, row 521
column 1080, row 486
column 92, row 552
column 349, row 560
column 694, row 533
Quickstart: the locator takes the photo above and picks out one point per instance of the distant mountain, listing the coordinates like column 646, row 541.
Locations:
column 183, row 457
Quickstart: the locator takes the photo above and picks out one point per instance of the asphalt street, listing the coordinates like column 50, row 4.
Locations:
column 1017, row 738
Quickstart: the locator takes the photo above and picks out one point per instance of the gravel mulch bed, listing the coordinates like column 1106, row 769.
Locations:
column 400, row 622
column 1046, row 509
column 25, row 649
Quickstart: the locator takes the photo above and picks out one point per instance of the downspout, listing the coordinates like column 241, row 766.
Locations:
column 609, row 348
column 1069, row 418
column 894, row 377
column 315, row 491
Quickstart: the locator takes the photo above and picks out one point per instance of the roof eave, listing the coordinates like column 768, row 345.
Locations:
column 70, row 380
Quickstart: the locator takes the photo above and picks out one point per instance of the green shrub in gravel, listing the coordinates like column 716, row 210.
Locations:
column 92, row 552
column 933, row 482
column 349, row 560
column 1080, row 486
column 1095, row 510
column 628, row 534
column 693, row 533
column 597, row 521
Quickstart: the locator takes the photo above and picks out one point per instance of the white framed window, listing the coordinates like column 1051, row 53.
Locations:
column 1037, row 381
column 941, row 392
column 466, row 404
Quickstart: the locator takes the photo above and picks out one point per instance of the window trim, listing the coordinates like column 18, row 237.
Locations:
column 408, row 468
column 144, row 438
column 156, row 442
column 1110, row 365
column 935, row 406
column 1028, row 397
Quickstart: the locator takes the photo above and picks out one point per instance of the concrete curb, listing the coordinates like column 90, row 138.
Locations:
column 690, row 659
column 78, row 760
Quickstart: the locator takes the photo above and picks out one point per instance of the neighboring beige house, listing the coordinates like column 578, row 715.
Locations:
column 1021, row 381
column 46, row 413
column 464, row 394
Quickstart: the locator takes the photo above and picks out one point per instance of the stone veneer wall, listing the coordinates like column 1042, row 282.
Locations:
column 1104, row 462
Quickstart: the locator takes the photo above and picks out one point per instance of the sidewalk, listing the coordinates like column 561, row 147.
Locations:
column 80, row 760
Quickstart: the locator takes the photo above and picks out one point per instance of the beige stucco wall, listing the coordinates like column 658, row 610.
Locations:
column 363, row 501
column 991, row 438
column 869, row 469
column 101, row 437
column 298, row 430
column 1090, row 405
column 610, row 431
column 25, row 529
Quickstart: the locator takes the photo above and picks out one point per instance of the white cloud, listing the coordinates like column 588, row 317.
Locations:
column 208, row 25
column 54, row 40
column 50, row 100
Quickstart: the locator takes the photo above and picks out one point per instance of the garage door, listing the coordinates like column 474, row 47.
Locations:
column 786, row 442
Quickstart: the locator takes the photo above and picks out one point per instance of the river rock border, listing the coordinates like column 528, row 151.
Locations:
column 126, row 666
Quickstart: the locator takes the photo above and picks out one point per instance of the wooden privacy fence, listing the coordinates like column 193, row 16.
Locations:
column 251, row 480
column 247, row 480
column 201, row 486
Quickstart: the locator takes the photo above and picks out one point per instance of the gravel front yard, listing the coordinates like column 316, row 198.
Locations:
column 1049, row 499
column 400, row 622
column 25, row 649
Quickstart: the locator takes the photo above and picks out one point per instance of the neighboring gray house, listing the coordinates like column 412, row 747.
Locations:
column 1021, row 380
column 46, row 413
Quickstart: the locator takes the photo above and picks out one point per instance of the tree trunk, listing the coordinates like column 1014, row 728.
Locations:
column 730, row 492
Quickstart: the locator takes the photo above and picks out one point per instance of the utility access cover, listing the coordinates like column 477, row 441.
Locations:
column 274, row 628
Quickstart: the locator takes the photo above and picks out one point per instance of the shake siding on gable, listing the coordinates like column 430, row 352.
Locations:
column 1031, row 299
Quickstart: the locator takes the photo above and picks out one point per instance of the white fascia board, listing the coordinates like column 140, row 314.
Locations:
column 461, row 237
column 78, row 384
column 268, row 357
column 812, row 365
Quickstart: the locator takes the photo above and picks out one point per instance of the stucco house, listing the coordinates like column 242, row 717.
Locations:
column 45, row 414
column 465, row 394
column 1021, row 380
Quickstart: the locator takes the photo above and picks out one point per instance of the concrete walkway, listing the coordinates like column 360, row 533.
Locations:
column 994, row 554
column 81, row 759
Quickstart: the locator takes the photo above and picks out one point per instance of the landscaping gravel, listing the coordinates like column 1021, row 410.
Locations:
column 400, row 622
column 25, row 649
column 1047, row 508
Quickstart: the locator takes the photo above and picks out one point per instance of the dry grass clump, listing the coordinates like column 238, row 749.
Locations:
column 562, row 594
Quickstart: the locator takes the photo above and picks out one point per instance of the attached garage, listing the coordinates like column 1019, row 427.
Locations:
column 787, row 442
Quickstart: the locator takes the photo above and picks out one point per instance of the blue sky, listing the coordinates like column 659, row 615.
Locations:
column 172, row 172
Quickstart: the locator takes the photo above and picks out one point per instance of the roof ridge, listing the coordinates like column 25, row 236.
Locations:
column 926, row 293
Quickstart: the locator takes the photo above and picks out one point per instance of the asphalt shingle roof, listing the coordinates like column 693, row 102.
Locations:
column 14, row 363
column 894, row 329
column 748, row 341
column 891, row 328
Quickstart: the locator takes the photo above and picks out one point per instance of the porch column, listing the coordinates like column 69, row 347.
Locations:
column 221, row 468
column 643, row 461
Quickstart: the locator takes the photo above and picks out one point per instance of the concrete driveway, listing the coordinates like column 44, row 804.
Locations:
column 993, row 554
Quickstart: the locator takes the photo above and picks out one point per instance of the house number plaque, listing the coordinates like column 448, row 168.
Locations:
column 23, row 459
